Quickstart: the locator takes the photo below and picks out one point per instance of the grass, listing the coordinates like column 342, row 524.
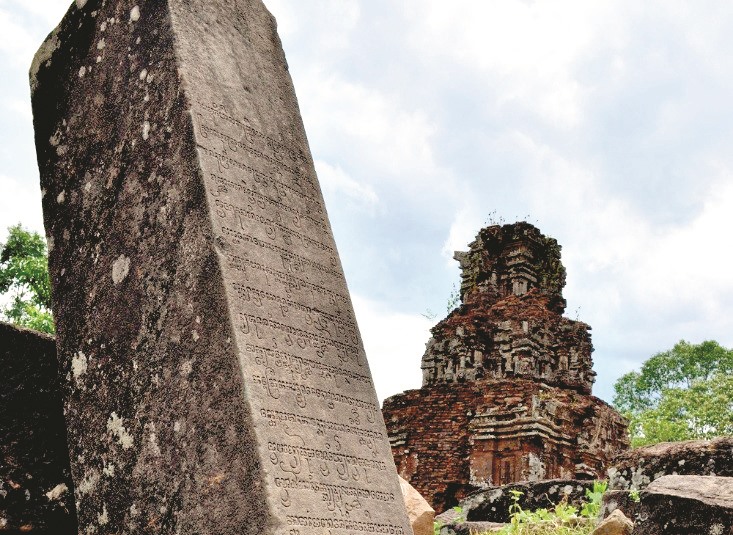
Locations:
column 562, row 519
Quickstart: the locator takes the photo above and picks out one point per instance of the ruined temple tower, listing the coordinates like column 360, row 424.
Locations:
column 506, row 392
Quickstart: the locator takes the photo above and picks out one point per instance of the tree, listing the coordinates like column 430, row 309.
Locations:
column 680, row 394
column 24, row 279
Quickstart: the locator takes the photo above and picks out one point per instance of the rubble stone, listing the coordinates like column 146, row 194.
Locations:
column 683, row 505
column 636, row 468
column 614, row 524
column 623, row 500
column 419, row 512
column 471, row 528
column 453, row 522
column 492, row 504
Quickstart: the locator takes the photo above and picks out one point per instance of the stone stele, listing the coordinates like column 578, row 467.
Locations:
column 216, row 382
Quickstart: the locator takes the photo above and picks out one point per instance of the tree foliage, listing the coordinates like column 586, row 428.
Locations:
column 24, row 280
column 680, row 394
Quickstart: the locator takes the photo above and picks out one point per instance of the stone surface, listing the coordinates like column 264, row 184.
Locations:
column 215, row 378
column 419, row 512
column 638, row 467
column 683, row 505
column 471, row 528
column 453, row 522
column 622, row 500
column 614, row 524
column 36, row 493
column 492, row 504
column 506, row 381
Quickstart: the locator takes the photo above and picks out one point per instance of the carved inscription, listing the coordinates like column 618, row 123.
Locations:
column 302, row 392
column 287, row 306
column 300, row 348
column 254, row 197
column 303, row 367
column 275, row 229
column 291, row 282
column 330, row 523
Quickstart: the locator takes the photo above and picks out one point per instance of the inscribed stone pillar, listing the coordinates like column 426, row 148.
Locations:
column 216, row 382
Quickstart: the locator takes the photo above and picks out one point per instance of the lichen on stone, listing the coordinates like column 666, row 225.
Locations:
column 116, row 427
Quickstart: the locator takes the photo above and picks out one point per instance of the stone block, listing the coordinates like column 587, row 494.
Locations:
column 621, row 500
column 419, row 512
column 636, row 468
column 684, row 505
column 36, row 493
column 216, row 381
column 614, row 524
column 492, row 504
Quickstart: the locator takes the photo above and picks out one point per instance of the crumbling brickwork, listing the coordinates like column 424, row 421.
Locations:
column 506, row 380
column 510, row 324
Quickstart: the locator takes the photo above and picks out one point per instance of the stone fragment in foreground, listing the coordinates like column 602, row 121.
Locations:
column 421, row 515
column 684, row 505
column 636, row 468
column 35, row 483
column 216, row 379
column 623, row 500
column 615, row 524
column 453, row 522
column 493, row 504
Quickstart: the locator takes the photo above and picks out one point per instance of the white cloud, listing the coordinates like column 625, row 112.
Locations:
column 524, row 54
column 692, row 263
column 394, row 344
column 21, row 107
column 335, row 181
column 367, row 127
column 48, row 12
column 18, row 44
column 462, row 232
column 642, row 285
column 19, row 203
column 598, row 119
column 326, row 24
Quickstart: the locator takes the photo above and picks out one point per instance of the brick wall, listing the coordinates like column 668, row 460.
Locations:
column 450, row 439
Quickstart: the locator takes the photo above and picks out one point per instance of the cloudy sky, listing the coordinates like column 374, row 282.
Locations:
column 606, row 123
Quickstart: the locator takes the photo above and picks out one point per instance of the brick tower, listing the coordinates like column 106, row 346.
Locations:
column 507, row 380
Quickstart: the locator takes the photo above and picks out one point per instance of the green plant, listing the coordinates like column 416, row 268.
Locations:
column 454, row 299
column 459, row 518
column 634, row 495
column 592, row 507
column 562, row 519
column 24, row 278
column 680, row 394
column 494, row 219
column 429, row 314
